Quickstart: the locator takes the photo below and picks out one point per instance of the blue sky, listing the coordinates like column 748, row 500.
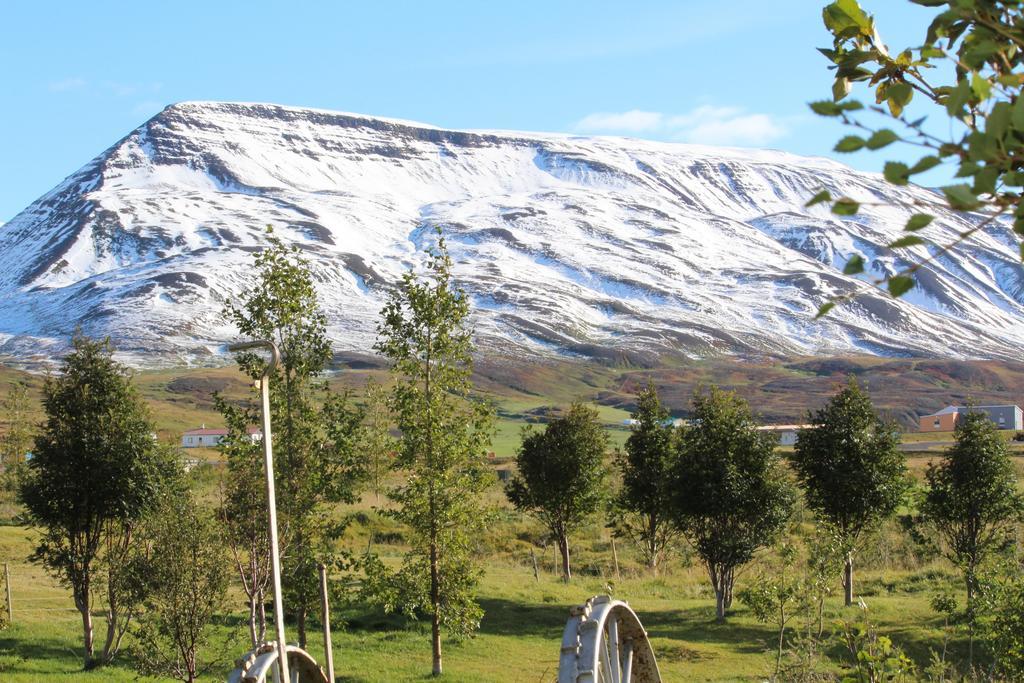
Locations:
column 78, row 76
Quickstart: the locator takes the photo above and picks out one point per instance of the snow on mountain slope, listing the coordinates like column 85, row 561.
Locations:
column 568, row 245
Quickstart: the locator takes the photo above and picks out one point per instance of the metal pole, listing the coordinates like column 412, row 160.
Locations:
column 7, row 585
column 328, row 649
column 268, row 461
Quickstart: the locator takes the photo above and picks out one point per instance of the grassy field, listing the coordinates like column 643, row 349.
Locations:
column 519, row 636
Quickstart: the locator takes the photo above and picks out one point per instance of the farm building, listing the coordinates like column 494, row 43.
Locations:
column 787, row 433
column 1004, row 417
column 209, row 438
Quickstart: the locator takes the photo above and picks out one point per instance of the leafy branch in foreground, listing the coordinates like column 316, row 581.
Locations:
column 966, row 71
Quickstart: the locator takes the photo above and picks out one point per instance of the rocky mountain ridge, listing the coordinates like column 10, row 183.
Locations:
column 608, row 248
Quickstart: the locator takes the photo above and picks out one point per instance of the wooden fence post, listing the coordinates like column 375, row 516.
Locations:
column 7, row 585
column 615, row 558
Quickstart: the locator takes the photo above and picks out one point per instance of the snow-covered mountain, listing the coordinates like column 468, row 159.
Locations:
column 568, row 245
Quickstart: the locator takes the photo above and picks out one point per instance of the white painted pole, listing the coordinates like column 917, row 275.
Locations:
column 268, row 462
column 325, row 607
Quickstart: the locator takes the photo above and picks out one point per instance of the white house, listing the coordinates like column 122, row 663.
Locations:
column 786, row 433
column 668, row 422
column 210, row 438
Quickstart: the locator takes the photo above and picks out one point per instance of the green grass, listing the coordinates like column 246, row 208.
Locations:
column 520, row 633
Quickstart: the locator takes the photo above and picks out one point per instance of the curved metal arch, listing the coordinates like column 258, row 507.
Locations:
column 604, row 642
column 260, row 666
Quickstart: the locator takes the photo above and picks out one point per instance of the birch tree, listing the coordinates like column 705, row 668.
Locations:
column 424, row 332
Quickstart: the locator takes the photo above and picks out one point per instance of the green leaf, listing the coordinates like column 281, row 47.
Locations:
column 924, row 164
column 985, row 180
column 855, row 265
column 845, row 207
column 960, row 197
column 896, row 173
column 851, row 105
column 847, row 18
column 824, row 309
column 898, row 95
column 881, row 138
column 967, row 169
column 999, row 120
column 980, row 86
column 1017, row 116
column 900, row 285
column 840, row 88
column 850, row 143
column 918, row 221
column 981, row 147
column 908, row 241
column 825, row 108
column 822, row 196
column 957, row 99
column 1013, row 179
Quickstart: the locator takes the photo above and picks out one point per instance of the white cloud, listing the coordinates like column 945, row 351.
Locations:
column 634, row 121
column 115, row 88
column 706, row 124
column 147, row 107
column 67, row 84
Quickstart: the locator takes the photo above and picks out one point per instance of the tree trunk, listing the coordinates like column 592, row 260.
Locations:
column 261, row 635
column 563, row 547
column 971, row 581
column 848, row 579
column 111, row 634
column 252, row 621
column 86, row 633
column 652, row 545
column 782, row 641
column 728, row 582
column 435, row 603
column 821, row 615
column 300, row 618
column 719, row 604
column 115, row 632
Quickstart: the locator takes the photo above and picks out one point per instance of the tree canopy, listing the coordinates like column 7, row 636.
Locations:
column 731, row 496
column 424, row 332
column 561, row 474
column 965, row 72
column 851, row 470
column 641, row 509
column 95, row 470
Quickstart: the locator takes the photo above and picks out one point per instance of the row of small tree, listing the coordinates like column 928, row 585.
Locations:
column 118, row 523
column 720, row 483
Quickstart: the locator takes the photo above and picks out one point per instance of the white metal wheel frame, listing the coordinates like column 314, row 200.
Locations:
column 260, row 666
column 604, row 642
